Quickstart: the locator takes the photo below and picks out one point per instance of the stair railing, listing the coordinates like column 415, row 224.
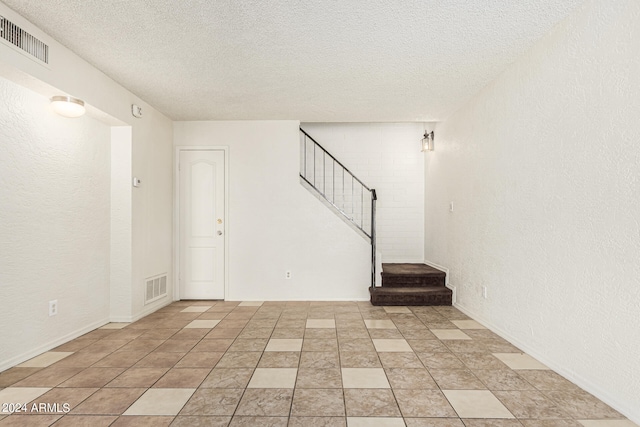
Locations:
column 340, row 188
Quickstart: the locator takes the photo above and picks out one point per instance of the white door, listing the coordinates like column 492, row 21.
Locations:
column 201, row 199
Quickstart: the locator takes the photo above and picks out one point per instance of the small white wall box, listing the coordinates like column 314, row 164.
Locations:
column 136, row 182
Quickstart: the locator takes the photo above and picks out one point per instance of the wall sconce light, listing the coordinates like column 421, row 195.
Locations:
column 67, row 106
column 427, row 141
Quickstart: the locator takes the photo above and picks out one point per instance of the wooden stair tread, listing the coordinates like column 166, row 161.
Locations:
column 406, row 269
column 411, row 290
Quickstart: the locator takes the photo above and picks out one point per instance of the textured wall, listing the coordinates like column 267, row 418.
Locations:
column 543, row 168
column 54, row 223
column 275, row 224
column 387, row 157
column 144, row 242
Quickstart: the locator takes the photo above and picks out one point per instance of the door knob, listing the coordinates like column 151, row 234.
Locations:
column 219, row 233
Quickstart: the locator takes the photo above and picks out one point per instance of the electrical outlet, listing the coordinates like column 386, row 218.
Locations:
column 287, row 275
column 484, row 292
column 53, row 307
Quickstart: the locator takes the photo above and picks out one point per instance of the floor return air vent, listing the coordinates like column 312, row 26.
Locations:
column 156, row 288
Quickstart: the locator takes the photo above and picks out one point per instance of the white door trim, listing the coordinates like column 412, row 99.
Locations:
column 176, row 214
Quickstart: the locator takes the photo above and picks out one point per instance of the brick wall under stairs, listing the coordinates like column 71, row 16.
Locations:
column 411, row 284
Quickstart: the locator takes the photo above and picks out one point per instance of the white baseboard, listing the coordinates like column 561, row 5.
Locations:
column 51, row 344
column 631, row 412
column 147, row 311
column 441, row 268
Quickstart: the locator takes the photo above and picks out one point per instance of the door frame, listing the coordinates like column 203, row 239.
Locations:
column 176, row 214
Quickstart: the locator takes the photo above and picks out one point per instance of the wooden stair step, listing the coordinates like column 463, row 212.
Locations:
column 423, row 295
column 411, row 275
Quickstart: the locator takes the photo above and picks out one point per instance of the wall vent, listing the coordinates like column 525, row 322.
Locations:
column 156, row 288
column 23, row 40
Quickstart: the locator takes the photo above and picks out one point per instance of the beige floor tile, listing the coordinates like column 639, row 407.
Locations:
column 254, row 344
column 530, row 404
column 456, row 379
column 273, row 378
column 243, row 421
column 322, row 334
column 364, row 378
column 357, row 359
column 370, row 403
column 397, row 309
column 428, row 346
column 196, row 309
column 317, row 422
column 280, row 359
column 491, row 423
column 319, row 378
column 108, row 401
column 379, row 324
column 400, row 360
column 21, row 394
column 204, row 359
column 115, row 325
column 550, row 423
column 200, row 421
column 467, row 324
column 440, row 361
column 484, row 361
column 244, row 359
column 161, row 401
column 183, row 378
column 434, row 422
column 209, row 401
column 503, row 379
column 321, row 324
column 607, row 423
column 138, row 377
column 355, row 344
column 318, row 403
column 284, row 345
column 385, row 345
column 206, row 324
column 272, row 402
column 450, row 334
column 93, row 377
column 423, row 403
column 143, row 421
column 519, row 361
column 48, row 377
column 86, row 420
column 319, row 359
column 477, row 404
column 120, row 359
column 228, row 378
column 319, row 345
column 251, row 304
column 410, row 378
column 159, row 360
column 582, row 405
column 15, row 374
column 213, row 345
column 547, row 380
column 45, row 359
column 374, row 422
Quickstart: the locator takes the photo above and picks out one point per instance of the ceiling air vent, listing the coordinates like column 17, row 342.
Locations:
column 23, row 40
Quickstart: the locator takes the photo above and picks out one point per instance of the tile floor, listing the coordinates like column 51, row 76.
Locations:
column 212, row 363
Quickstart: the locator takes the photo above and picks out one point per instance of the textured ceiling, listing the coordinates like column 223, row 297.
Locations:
column 330, row 60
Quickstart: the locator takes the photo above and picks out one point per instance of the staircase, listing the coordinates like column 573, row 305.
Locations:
column 355, row 203
column 411, row 284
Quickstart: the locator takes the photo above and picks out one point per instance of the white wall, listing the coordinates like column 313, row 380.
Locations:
column 274, row 223
column 387, row 157
column 54, row 223
column 140, row 218
column 543, row 167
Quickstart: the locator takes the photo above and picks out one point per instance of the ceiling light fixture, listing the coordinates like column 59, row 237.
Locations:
column 68, row 106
